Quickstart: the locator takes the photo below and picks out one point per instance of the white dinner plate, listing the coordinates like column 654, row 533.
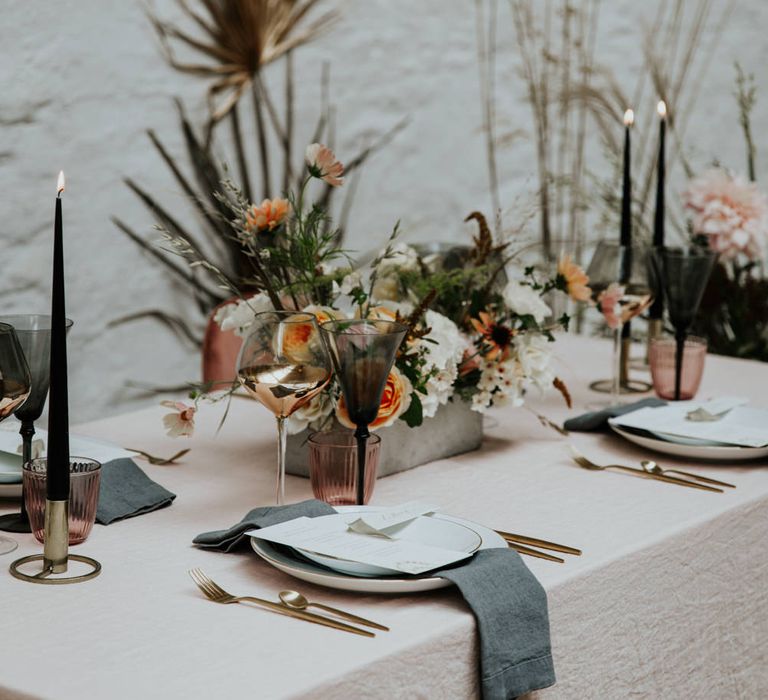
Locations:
column 434, row 532
column 715, row 453
column 313, row 573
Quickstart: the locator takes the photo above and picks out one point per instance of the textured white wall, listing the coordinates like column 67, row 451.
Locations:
column 83, row 79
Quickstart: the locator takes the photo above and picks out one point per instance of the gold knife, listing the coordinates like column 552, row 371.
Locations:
column 544, row 544
column 663, row 477
column 534, row 553
column 307, row 616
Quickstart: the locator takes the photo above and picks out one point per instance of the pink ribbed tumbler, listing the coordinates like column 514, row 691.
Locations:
column 333, row 466
column 84, row 481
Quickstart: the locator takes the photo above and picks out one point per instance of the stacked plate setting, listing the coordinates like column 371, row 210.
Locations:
column 739, row 434
column 436, row 530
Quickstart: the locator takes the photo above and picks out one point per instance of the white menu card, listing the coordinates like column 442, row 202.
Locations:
column 329, row 535
column 743, row 426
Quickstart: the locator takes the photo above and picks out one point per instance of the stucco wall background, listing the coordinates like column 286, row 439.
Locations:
column 83, row 79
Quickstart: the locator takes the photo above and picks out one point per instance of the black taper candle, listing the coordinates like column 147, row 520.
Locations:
column 58, row 402
column 657, row 308
column 626, row 210
column 626, row 195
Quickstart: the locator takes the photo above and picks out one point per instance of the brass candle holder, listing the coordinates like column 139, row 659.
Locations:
column 55, row 556
column 628, row 386
column 655, row 327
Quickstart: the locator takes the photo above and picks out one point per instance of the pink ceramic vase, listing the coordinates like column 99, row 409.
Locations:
column 220, row 349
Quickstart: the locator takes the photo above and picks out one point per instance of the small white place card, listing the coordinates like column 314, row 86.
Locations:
column 743, row 426
column 385, row 522
column 330, row 536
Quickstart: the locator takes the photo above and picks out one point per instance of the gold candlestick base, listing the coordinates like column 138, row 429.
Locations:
column 626, row 385
column 55, row 556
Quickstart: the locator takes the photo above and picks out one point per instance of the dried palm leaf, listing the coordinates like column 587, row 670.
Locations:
column 238, row 38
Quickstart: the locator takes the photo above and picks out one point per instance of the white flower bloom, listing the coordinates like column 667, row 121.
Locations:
column 350, row 282
column 402, row 258
column 386, row 288
column 534, row 355
column 314, row 415
column 238, row 316
column 523, row 300
column 443, row 355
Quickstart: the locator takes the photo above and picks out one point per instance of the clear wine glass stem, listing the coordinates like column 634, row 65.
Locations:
column 281, row 445
column 616, row 383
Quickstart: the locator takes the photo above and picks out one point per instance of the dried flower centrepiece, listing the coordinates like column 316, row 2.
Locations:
column 471, row 336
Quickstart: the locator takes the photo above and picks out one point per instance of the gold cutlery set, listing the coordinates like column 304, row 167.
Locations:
column 292, row 604
column 651, row 470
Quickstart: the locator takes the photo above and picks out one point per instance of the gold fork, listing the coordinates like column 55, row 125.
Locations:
column 584, row 463
column 217, row 594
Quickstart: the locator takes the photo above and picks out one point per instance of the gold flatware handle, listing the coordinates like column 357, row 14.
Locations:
column 698, row 477
column 662, row 477
column 543, row 544
column 301, row 615
column 520, row 549
column 349, row 616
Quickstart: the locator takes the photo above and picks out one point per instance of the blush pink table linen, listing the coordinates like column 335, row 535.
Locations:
column 670, row 598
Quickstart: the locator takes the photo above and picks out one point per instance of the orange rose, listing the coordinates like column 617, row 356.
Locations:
column 394, row 402
column 380, row 313
column 297, row 341
column 323, row 313
column 266, row 216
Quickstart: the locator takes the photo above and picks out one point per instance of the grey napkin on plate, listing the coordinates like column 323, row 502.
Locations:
column 598, row 420
column 229, row 539
column 510, row 606
column 507, row 600
column 126, row 491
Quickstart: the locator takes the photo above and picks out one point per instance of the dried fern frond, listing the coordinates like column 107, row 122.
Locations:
column 238, row 38
column 483, row 241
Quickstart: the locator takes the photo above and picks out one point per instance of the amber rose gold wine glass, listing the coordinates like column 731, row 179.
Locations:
column 283, row 364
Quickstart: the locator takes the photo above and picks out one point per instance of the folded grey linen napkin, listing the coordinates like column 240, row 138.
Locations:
column 598, row 420
column 510, row 606
column 126, row 491
column 507, row 600
column 234, row 537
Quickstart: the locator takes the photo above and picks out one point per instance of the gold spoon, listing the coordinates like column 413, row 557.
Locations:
column 294, row 599
column 653, row 468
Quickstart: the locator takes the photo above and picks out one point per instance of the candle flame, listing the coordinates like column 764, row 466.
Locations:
column 629, row 118
column 661, row 108
column 60, row 183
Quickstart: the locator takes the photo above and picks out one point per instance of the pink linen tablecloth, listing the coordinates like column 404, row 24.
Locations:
column 670, row 599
